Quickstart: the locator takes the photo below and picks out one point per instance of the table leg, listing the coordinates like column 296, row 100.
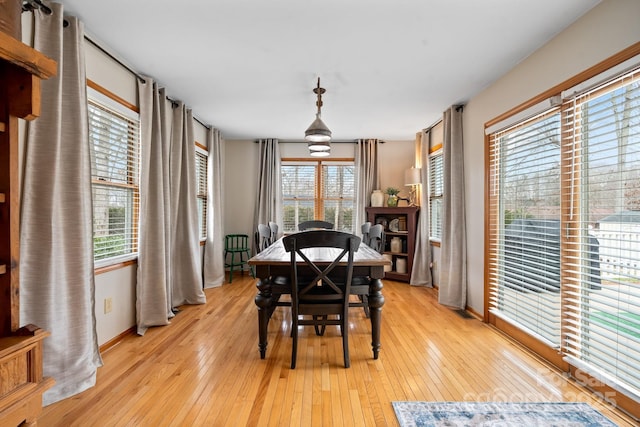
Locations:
column 263, row 301
column 376, row 301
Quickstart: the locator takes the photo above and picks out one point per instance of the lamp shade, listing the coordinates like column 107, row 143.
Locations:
column 412, row 176
column 319, row 146
column 318, row 131
column 319, row 153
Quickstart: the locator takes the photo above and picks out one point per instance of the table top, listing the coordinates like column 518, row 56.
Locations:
column 277, row 255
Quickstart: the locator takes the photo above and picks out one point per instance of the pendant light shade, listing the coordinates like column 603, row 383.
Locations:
column 318, row 131
column 318, row 134
column 319, row 153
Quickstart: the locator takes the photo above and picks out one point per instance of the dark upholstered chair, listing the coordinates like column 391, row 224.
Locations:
column 315, row 224
column 326, row 291
column 236, row 246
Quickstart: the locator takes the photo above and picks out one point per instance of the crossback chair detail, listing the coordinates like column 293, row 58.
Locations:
column 321, row 289
column 315, row 224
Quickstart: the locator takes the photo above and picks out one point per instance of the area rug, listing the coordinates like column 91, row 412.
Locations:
column 503, row 414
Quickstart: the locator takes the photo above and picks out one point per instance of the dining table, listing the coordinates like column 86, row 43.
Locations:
column 272, row 268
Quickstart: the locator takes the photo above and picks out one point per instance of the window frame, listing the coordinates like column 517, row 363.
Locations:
column 103, row 99
column 557, row 96
column 435, row 153
column 202, row 185
column 318, row 199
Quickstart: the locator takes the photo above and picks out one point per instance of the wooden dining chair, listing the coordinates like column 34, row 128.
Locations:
column 263, row 237
column 274, row 231
column 377, row 238
column 364, row 228
column 237, row 253
column 315, row 224
column 321, row 289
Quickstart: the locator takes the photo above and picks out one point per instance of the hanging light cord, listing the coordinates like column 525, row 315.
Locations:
column 319, row 91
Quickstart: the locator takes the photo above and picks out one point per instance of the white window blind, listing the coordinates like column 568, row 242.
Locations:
column 436, row 187
column 338, row 190
column 323, row 190
column 602, row 271
column 564, row 228
column 114, row 138
column 201, row 193
column 524, row 242
column 298, row 194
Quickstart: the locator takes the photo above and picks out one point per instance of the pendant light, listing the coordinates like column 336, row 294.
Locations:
column 318, row 134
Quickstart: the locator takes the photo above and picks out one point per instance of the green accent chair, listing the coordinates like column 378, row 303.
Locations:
column 237, row 253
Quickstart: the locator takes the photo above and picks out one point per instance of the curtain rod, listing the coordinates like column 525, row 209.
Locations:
column 458, row 107
column 175, row 101
column 31, row 5
column 110, row 55
column 336, row 141
column 132, row 71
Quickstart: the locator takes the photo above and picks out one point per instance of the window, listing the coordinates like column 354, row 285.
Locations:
column 525, row 225
column 317, row 189
column 564, row 229
column 115, row 140
column 435, row 194
column 201, row 183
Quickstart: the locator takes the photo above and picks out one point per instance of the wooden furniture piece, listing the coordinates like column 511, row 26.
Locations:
column 364, row 228
column 273, row 226
column 308, row 225
column 324, row 293
column 22, row 382
column 236, row 253
column 274, row 263
column 263, row 237
column 377, row 238
column 400, row 223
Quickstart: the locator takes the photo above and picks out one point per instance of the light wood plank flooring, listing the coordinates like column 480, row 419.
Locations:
column 205, row 369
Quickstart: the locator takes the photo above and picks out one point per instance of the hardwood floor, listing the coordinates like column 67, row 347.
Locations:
column 205, row 369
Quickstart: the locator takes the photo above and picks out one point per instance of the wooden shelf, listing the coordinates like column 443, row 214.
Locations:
column 27, row 58
column 409, row 215
column 22, row 381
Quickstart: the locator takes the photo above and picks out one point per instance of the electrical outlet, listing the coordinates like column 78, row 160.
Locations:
column 108, row 305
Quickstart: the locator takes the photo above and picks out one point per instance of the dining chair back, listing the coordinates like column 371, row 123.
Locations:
column 321, row 289
column 364, row 228
column 377, row 238
column 315, row 224
column 274, row 231
column 237, row 253
column 263, row 237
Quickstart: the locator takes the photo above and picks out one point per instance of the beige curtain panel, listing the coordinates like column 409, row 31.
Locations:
column 367, row 179
column 421, row 270
column 56, row 268
column 269, row 195
column 453, row 261
column 214, row 248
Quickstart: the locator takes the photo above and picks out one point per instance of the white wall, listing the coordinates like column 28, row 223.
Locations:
column 607, row 29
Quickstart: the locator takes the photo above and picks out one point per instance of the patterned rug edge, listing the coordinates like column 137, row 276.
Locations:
column 431, row 414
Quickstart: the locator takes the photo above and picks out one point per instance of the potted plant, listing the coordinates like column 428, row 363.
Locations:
column 392, row 201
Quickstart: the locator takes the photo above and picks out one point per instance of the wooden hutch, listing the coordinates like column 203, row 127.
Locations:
column 22, row 382
column 401, row 224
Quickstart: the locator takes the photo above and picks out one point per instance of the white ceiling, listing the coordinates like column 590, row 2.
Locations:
column 390, row 67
